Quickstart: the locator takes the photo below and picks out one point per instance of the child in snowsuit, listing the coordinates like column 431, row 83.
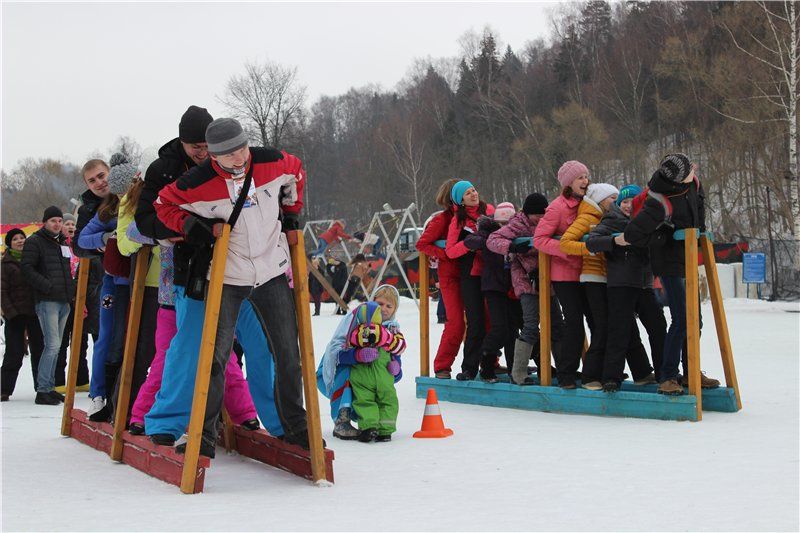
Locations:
column 333, row 372
column 524, row 279
column 372, row 378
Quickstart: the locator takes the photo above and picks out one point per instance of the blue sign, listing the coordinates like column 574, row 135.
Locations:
column 754, row 268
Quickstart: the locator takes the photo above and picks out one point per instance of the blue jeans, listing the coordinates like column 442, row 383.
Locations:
column 52, row 317
column 322, row 245
column 675, row 289
column 97, row 381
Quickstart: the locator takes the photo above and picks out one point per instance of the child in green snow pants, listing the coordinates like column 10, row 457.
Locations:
column 374, row 397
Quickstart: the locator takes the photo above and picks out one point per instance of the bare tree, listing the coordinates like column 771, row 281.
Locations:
column 128, row 146
column 778, row 51
column 267, row 99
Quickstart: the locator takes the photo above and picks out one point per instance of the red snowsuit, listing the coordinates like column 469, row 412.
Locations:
column 454, row 328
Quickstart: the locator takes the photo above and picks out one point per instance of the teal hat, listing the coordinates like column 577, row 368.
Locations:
column 458, row 190
column 627, row 192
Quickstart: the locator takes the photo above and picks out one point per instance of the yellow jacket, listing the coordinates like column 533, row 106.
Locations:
column 594, row 266
column 128, row 247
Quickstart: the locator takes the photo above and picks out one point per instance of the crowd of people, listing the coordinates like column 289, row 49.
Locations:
column 605, row 246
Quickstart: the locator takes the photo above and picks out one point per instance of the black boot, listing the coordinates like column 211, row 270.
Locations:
column 136, row 429
column 488, row 373
column 206, row 450
column 251, row 425
column 368, row 435
column 44, row 398
column 162, row 439
column 299, row 439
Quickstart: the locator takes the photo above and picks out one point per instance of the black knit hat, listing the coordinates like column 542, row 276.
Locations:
column 52, row 212
column 675, row 167
column 535, row 204
column 10, row 235
column 194, row 122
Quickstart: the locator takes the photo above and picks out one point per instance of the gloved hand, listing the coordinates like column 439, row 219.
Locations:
column 474, row 242
column 289, row 222
column 367, row 335
column 393, row 367
column 367, row 355
column 109, row 235
column 520, row 247
column 198, row 232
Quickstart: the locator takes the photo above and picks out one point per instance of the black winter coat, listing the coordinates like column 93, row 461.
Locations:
column 86, row 212
column 496, row 273
column 16, row 296
column 626, row 266
column 338, row 275
column 650, row 229
column 171, row 164
column 45, row 267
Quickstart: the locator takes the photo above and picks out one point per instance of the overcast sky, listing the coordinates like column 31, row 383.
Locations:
column 76, row 76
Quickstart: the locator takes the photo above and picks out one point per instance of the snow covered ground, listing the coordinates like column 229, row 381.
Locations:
column 503, row 470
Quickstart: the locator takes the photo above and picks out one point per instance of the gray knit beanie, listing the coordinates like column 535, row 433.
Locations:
column 225, row 135
column 121, row 174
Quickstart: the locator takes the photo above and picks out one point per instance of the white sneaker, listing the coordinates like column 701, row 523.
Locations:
column 98, row 402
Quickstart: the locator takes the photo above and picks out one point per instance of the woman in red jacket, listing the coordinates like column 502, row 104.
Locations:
column 468, row 208
column 449, row 282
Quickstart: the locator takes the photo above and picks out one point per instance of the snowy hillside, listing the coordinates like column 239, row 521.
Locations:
column 502, row 470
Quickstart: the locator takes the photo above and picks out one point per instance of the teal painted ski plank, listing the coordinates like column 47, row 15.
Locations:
column 632, row 401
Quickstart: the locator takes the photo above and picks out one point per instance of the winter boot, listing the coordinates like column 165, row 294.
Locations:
column 44, row 398
column 368, row 435
column 206, row 450
column 383, row 438
column 299, row 439
column 592, row 385
column 519, row 372
column 705, row 381
column 57, row 395
column 610, row 386
column 465, row 375
column 649, row 379
column 342, row 429
column 487, row 372
column 443, row 374
column 136, row 429
column 251, row 425
column 162, row 439
column 670, row 387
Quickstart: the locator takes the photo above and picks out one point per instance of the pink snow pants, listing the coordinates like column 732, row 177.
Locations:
column 237, row 397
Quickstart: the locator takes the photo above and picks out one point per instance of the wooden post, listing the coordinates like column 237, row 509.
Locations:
column 720, row 321
column 206, row 359
column 693, row 318
column 328, row 287
column 129, row 354
column 308, row 366
column 424, row 316
column 75, row 346
column 227, row 434
column 544, row 320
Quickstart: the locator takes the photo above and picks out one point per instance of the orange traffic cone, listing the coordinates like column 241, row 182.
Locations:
column 432, row 423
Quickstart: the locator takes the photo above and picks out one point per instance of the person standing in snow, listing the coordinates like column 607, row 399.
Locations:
column 675, row 201
column 46, row 267
column 19, row 314
column 449, row 281
column 468, row 207
column 334, row 370
column 271, row 183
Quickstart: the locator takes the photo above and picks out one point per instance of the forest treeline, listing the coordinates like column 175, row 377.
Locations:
column 615, row 86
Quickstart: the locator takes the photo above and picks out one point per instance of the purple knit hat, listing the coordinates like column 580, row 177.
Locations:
column 569, row 171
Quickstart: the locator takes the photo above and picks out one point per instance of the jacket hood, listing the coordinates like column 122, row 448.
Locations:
column 520, row 224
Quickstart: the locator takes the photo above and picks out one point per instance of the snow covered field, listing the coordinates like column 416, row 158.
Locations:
column 503, row 470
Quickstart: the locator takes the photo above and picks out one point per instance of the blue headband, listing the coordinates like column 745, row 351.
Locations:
column 458, row 190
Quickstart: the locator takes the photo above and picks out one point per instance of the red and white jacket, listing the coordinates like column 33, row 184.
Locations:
column 258, row 251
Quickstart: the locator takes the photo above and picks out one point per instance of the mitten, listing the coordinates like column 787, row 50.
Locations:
column 198, row 232
column 109, row 235
column 520, row 247
column 474, row 242
column 289, row 222
column 367, row 355
column 395, row 344
column 366, row 335
column 393, row 367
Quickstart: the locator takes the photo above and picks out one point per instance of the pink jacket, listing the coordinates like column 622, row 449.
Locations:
column 521, row 264
column 559, row 216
